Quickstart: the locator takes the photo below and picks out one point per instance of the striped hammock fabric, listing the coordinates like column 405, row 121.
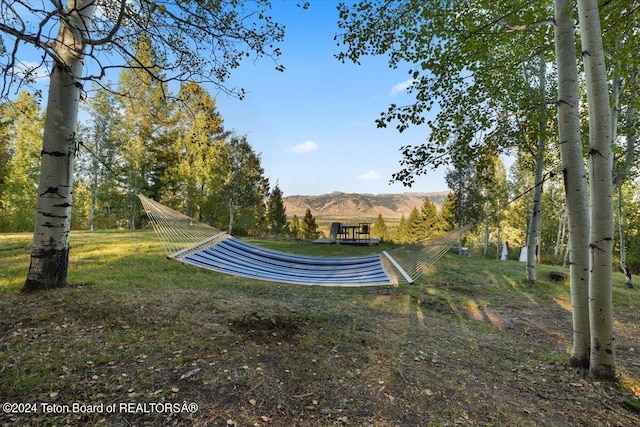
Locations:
column 238, row 258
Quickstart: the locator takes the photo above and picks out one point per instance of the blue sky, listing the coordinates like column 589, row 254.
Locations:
column 314, row 125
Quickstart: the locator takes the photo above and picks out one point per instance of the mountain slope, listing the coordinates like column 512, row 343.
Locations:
column 340, row 205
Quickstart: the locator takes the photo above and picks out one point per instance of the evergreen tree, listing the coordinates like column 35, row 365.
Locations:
column 294, row 229
column 448, row 212
column 433, row 224
column 309, row 226
column 379, row 229
column 244, row 187
column 277, row 213
column 5, row 157
column 23, row 169
column 416, row 230
column 403, row 232
column 145, row 146
column 193, row 178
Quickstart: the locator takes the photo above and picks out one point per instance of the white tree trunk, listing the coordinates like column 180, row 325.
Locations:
column 602, row 363
column 575, row 179
column 623, row 242
column 565, row 259
column 50, row 247
column 94, row 194
column 486, row 233
column 232, row 212
column 557, row 251
column 534, row 220
column 622, row 171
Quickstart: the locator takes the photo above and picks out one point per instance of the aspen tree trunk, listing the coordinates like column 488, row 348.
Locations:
column 232, row 211
column 632, row 140
column 623, row 242
column 486, row 233
column 534, row 221
column 602, row 362
column 560, row 234
column 94, row 196
column 50, row 247
column 575, row 179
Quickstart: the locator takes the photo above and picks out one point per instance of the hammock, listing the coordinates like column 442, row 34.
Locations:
column 195, row 243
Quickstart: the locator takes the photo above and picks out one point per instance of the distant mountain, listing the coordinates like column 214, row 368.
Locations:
column 344, row 205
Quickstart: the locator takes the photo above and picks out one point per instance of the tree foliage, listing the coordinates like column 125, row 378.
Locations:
column 464, row 65
column 96, row 163
column 244, row 187
column 23, row 126
column 184, row 158
column 308, row 226
column 194, row 40
column 277, row 213
column 380, row 229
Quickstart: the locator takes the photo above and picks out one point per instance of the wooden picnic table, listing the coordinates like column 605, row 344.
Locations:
column 354, row 232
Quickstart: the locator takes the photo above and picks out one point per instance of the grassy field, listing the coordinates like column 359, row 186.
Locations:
column 138, row 340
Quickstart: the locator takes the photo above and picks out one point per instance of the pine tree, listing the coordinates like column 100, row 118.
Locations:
column 415, row 227
column 309, row 226
column 295, row 229
column 193, row 178
column 433, row 224
column 448, row 212
column 403, row 232
column 26, row 124
column 5, row 156
column 379, row 229
column 277, row 213
column 96, row 161
column 244, row 187
column 146, row 113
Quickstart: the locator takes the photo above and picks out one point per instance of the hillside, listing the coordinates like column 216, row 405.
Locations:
column 340, row 205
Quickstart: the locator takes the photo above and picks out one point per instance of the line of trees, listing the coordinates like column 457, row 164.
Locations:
column 173, row 149
column 192, row 181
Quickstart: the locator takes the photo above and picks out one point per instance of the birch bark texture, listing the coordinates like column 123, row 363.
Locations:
column 50, row 247
column 575, row 179
column 601, row 239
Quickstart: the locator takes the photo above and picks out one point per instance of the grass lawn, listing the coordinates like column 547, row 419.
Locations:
column 139, row 340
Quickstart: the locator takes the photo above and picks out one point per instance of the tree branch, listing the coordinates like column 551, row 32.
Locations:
column 527, row 27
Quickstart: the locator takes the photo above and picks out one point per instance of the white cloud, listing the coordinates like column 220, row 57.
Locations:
column 369, row 176
column 402, row 87
column 305, row 147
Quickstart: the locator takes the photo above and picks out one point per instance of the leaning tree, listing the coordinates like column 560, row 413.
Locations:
column 83, row 41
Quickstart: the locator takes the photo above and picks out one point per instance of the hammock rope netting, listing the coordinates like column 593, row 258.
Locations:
column 193, row 242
